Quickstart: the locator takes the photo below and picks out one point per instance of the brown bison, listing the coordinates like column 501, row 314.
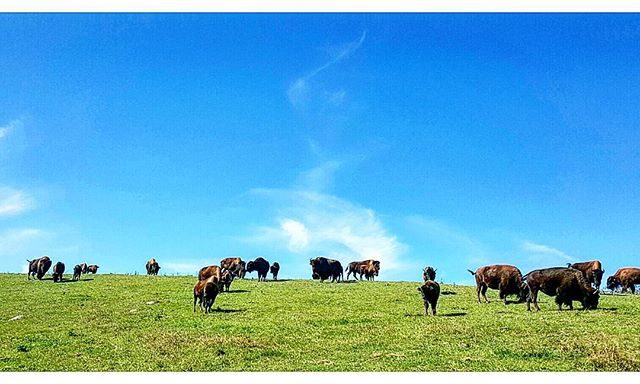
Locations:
column 205, row 291
column 274, row 269
column 38, row 267
column 152, row 267
column 83, row 267
column 566, row 284
column 233, row 264
column 93, row 269
column 77, row 271
column 259, row 265
column 625, row 277
column 368, row 268
column 211, row 270
column 323, row 269
column 592, row 270
column 226, row 279
column 507, row 279
column 430, row 291
column 58, row 271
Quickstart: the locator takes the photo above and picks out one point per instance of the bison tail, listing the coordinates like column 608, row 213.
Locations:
column 471, row 272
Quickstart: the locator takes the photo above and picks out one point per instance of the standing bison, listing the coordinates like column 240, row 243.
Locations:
column 323, row 269
column 507, row 279
column 38, row 267
column 368, row 268
column 430, row 290
column 77, row 272
column 566, row 284
column 627, row 278
column 259, row 265
column 152, row 267
column 205, row 291
column 58, row 271
column 592, row 271
column 275, row 268
column 234, row 264
column 93, row 269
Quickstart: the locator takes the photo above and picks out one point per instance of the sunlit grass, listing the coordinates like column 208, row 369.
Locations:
column 142, row 323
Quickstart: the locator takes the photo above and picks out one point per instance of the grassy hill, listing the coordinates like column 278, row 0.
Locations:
column 142, row 323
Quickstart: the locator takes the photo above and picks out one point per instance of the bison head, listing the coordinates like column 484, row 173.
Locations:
column 429, row 274
column 251, row 266
column 591, row 300
column 523, row 292
column 612, row 283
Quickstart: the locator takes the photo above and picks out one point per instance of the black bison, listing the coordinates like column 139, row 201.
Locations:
column 275, row 268
column 93, row 269
column 58, row 271
column 234, row 264
column 507, row 279
column 592, row 270
column 627, row 278
column 323, row 269
column 243, row 270
column 205, row 291
column 259, row 265
column 566, row 284
column 368, row 268
column 77, row 271
column 38, row 267
column 152, row 267
column 83, row 268
column 430, row 291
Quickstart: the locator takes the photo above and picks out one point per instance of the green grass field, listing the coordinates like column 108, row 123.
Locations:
column 105, row 323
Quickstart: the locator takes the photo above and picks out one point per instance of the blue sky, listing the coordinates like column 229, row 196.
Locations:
column 416, row 139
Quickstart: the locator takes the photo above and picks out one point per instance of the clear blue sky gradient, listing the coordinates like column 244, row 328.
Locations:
column 420, row 139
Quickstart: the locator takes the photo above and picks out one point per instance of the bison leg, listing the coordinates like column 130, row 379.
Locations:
column 426, row 308
column 484, row 293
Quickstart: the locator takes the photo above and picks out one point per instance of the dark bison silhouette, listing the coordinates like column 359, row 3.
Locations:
column 152, row 267
column 259, row 265
column 38, row 267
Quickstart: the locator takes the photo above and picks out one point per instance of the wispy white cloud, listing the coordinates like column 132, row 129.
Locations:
column 5, row 130
column 14, row 202
column 319, row 178
column 311, row 224
column 181, row 267
column 299, row 90
column 542, row 249
column 13, row 241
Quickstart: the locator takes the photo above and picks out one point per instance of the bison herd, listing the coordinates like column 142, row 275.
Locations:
column 39, row 267
column 575, row 282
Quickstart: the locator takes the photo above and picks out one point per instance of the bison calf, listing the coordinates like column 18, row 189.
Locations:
column 58, row 271
column 430, row 292
column 274, row 269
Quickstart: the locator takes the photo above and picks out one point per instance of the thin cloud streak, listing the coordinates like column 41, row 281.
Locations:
column 14, row 202
column 298, row 91
column 531, row 247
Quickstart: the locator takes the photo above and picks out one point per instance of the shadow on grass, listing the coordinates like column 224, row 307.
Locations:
column 220, row 310
column 74, row 281
column 237, row 291
column 277, row 281
column 607, row 309
column 453, row 314
column 448, row 293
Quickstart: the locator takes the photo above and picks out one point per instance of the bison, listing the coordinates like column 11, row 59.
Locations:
column 507, row 279
column 625, row 277
column 323, row 269
column 592, row 270
column 58, row 271
column 259, row 265
column 430, row 291
column 77, row 271
column 83, row 268
column 93, row 269
column 275, row 268
column 368, row 268
column 211, row 270
column 234, row 264
column 152, row 267
column 38, row 267
column 205, row 291
column 566, row 284
column 226, row 279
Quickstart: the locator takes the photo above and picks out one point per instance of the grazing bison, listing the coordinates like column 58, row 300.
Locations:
column 58, row 271
column 93, row 269
column 507, row 279
column 259, row 265
column 275, row 268
column 205, row 291
column 368, row 268
column 77, row 271
column 233, row 264
column 38, row 267
column 566, row 284
column 211, row 271
column 625, row 277
column 592, row 270
column 323, row 269
column 152, row 267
